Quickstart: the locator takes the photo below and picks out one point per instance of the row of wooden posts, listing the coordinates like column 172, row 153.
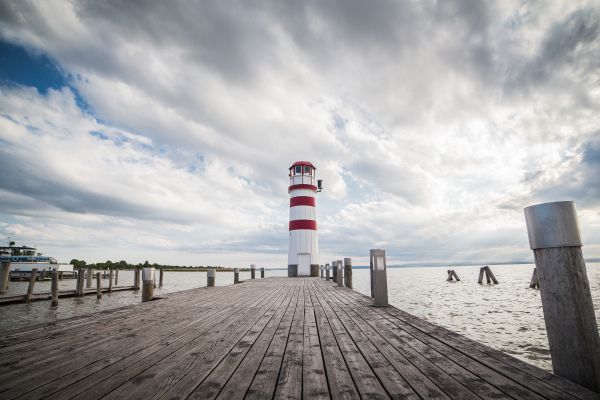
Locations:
column 489, row 276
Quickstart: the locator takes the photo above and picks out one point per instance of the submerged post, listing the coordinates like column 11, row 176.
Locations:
column 262, row 272
column 31, row 285
column 348, row 272
column 236, row 275
column 252, row 271
column 534, row 283
column 334, row 271
column 210, row 277
column 98, row 285
column 88, row 282
column 160, row 279
column 340, row 273
column 378, row 262
column 4, row 276
column 147, row 284
column 54, row 289
column 571, row 326
column 327, row 272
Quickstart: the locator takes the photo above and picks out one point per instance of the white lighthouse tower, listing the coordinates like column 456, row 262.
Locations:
column 303, row 254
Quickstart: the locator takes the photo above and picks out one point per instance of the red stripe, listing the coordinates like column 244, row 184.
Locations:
column 303, row 224
column 302, row 186
column 302, row 201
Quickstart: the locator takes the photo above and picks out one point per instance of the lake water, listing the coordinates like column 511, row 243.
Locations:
column 507, row 316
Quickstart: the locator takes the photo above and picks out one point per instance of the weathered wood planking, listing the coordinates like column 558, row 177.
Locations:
column 263, row 339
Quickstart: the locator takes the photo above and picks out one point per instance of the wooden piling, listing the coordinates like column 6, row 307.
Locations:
column 80, row 282
column 348, row 272
column 31, row 285
column 490, row 274
column 116, row 277
column 60, row 275
column 380, row 292
column 334, row 271
column 262, row 272
column 154, row 281
column 327, row 268
column 88, row 282
column 535, row 282
column 147, row 284
column 322, row 269
column 54, row 289
column 98, row 285
column 4, row 276
column 210, row 277
column 236, row 275
column 252, row 271
column 110, row 281
column 452, row 275
column 554, row 237
column 340, row 273
column 160, row 279
column 136, row 278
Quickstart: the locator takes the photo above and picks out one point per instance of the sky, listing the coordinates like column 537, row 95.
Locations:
column 163, row 131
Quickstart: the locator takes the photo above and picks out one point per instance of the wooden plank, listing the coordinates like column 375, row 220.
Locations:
column 314, row 380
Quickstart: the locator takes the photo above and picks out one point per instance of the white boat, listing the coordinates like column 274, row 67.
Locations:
column 24, row 259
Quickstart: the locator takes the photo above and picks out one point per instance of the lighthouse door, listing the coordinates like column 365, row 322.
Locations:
column 303, row 264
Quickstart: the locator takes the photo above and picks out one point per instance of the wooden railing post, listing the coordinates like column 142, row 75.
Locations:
column 4, row 276
column 210, row 277
column 54, row 289
column 31, row 285
column 98, row 285
column 348, row 272
column 236, row 275
column 334, row 271
column 571, row 326
column 252, row 271
column 147, row 284
column 340, row 273
column 380, row 292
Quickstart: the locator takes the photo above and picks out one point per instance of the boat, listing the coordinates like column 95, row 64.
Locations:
column 24, row 259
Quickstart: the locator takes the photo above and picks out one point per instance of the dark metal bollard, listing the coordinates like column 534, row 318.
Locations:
column 379, row 277
column 571, row 326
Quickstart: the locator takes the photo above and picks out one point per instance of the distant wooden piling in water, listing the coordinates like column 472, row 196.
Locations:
column 31, row 285
column 116, row 277
column 54, row 302
column 535, row 282
column 4, row 276
column 136, row 278
column 489, row 276
column 147, row 284
column 236, row 276
column 262, row 272
column 348, row 272
column 79, row 290
column 210, row 277
column 98, row 285
column 452, row 275
column 554, row 237
column 88, row 282
column 160, row 280
column 110, row 281
column 252, row 271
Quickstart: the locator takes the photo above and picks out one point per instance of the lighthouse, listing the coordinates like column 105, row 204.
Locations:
column 303, row 252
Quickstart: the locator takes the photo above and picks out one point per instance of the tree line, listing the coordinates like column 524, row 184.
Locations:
column 125, row 265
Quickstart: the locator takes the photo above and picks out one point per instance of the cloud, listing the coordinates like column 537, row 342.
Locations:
column 432, row 123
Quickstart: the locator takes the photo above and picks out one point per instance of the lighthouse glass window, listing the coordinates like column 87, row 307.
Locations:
column 307, row 169
column 298, row 169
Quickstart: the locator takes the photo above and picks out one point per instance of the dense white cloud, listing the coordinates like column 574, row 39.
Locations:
column 432, row 123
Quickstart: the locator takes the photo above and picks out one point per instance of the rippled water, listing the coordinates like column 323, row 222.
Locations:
column 507, row 316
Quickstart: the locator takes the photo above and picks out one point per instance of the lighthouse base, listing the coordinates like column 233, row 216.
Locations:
column 293, row 271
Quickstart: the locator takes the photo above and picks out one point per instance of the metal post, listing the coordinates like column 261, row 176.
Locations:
column 340, row 273
column 326, row 272
column 210, row 277
column 98, row 285
column 147, row 284
column 4, row 276
column 262, row 272
column 252, row 271
column 348, row 272
column 379, row 277
column 236, row 275
column 571, row 326
column 54, row 289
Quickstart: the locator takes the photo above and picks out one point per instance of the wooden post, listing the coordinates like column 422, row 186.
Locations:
column 98, row 285
column 348, row 272
column 262, row 272
column 154, row 281
column 4, row 276
column 327, row 272
column 340, row 273
column 147, row 284
column 136, row 278
column 236, row 275
column 252, row 271
column 88, row 282
column 380, row 292
column 554, row 237
column 60, row 275
column 322, row 271
column 535, row 283
column 110, row 280
column 116, row 277
column 489, row 274
column 452, row 275
column 160, row 279
column 371, row 267
column 54, row 289
column 80, row 282
column 210, row 277
column 31, row 284
column 481, row 272
column 334, row 271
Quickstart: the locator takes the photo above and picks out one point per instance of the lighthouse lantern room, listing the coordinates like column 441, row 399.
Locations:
column 303, row 252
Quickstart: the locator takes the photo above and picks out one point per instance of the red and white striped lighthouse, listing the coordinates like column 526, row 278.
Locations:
column 303, row 253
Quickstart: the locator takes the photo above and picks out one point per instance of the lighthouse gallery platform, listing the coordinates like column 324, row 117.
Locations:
column 267, row 338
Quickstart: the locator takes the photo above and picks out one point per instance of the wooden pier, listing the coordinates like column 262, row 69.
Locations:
column 264, row 338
